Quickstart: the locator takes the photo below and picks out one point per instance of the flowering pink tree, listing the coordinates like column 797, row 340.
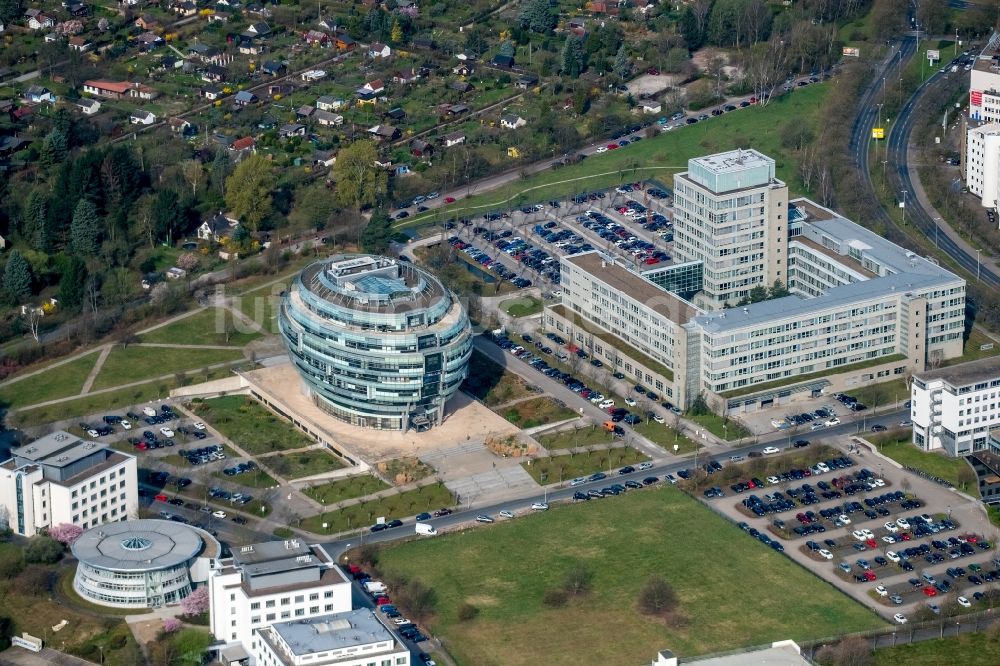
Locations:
column 171, row 624
column 65, row 533
column 195, row 603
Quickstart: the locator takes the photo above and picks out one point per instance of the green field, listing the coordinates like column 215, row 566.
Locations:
column 556, row 469
column 536, row 411
column 719, row 426
column 490, row 383
column 665, row 436
column 721, row 577
column 971, row 349
column 136, row 364
column 363, row 515
column 255, row 479
column 898, row 445
column 568, row 439
column 976, row 649
column 343, row 489
column 213, row 326
column 303, row 463
column 522, row 306
column 250, row 425
column 659, row 157
column 882, row 394
column 58, row 382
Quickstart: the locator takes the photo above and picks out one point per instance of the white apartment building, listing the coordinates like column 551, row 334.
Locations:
column 954, row 408
column 861, row 310
column 729, row 212
column 277, row 581
column 982, row 163
column 352, row 638
column 60, row 478
column 984, row 84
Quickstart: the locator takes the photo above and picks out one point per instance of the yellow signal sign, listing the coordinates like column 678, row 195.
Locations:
column 878, row 132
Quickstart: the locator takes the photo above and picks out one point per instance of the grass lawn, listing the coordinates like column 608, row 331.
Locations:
column 261, row 305
column 302, row 463
column 897, row 445
column 883, row 394
column 665, row 436
column 363, row 515
column 760, row 128
column 491, row 384
column 974, row 649
column 720, row 426
column 536, row 411
column 505, row 569
column 522, row 306
column 568, row 439
column 256, row 479
column 207, row 327
column 971, row 349
column 556, row 469
column 343, row 489
column 58, row 382
column 135, row 363
column 248, row 423
column 103, row 402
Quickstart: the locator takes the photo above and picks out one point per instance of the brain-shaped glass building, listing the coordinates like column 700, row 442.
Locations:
column 379, row 343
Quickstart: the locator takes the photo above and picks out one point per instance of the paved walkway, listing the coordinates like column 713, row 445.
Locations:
column 98, row 364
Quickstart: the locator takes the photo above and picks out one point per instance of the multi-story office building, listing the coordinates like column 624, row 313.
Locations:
column 955, row 408
column 277, row 581
column 60, row 478
column 860, row 309
column 352, row 638
column 984, row 84
column 982, row 163
column 730, row 214
column 379, row 343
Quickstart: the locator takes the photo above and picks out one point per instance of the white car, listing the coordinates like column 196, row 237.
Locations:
column 506, row 514
column 630, row 402
column 608, row 402
column 892, row 556
column 126, row 425
column 644, row 466
column 882, row 592
column 903, row 523
column 905, row 424
column 770, row 450
column 578, row 481
column 539, row 506
column 899, row 618
column 659, row 419
column 199, row 425
column 823, row 467
column 825, row 554
column 602, row 149
column 892, row 527
column 867, row 532
column 963, row 602
column 844, row 519
column 400, row 621
column 817, row 426
column 888, row 538
column 93, row 433
column 166, row 432
column 859, row 535
column 773, row 480
column 832, row 422
column 219, row 514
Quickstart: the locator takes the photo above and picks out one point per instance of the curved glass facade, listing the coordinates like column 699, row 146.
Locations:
column 133, row 589
column 379, row 343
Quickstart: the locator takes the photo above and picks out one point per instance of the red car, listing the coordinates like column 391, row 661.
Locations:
column 160, row 498
column 971, row 538
column 382, row 601
column 871, row 543
column 753, row 100
column 930, row 591
column 612, row 146
column 905, row 536
column 869, row 575
column 449, row 200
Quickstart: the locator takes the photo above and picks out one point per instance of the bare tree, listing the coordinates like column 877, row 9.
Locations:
column 33, row 316
column 765, row 65
column 194, row 174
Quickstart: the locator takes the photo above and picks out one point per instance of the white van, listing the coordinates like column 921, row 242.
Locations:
column 149, row 411
column 424, row 529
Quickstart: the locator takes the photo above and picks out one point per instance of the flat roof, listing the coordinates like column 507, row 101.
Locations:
column 634, row 286
column 57, row 449
column 141, row 545
column 269, row 551
column 962, row 374
column 332, row 632
column 784, row 653
column 732, row 161
column 988, row 128
column 848, row 261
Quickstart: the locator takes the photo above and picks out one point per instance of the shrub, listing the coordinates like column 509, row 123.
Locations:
column 467, row 612
column 34, row 580
column 65, row 533
column 195, row 603
column 43, row 550
column 657, row 597
column 171, row 624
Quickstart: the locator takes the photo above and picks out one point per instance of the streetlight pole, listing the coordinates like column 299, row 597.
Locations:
column 978, row 265
column 937, row 227
column 904, row 207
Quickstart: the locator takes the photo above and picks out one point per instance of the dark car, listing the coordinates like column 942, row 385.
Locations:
column 442, row 512
column 423, row 516
column 628, row 469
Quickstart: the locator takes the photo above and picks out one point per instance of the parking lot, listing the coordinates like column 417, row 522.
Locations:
column 895, row 541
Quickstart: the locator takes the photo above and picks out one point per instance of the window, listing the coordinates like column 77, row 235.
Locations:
column 314, row 596
column 270, row 617
column 299, row 599
column 255, row 605
column 285, row 615
column 270, row 603
column 285, row 601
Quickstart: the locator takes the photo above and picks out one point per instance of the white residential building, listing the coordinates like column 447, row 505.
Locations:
column 271, row 582
column 982, row 163
column 352, row 638
column 729, row 214
column 60, row 478
column 955, row 408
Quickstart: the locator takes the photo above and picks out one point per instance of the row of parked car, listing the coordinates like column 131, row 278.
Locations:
column 203, row 455
column 241, row 468
column 488, row 262
column 623, row 238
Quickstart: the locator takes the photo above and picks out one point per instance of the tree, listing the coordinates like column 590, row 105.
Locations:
column 537, row 16
column 578, row 579
column 167, row 214
column 248, row 191
column 194, row 174
column 17, row 277
column 574, row 56
column 65, row 533
column 43, row 550
column 622, row 66
column 966, row 476
column 418, row 599
column 778, row 290
column 396, row 34
column 54, row 148
column 360, row 182
column 10, row 10
column 195, row 603
column 690, row 30
column 657, row 597
column 377, row 235
column 171, row 624
column 932, row 16
column 74, row 274
column 84, row 229
column 851, row 651
column 33, row 225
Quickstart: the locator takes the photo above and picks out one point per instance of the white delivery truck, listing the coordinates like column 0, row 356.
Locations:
column 375, row 587
column 426, row 530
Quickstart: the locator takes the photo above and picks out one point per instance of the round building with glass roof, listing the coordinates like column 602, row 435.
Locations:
column 379, row 343
column 141, row 563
